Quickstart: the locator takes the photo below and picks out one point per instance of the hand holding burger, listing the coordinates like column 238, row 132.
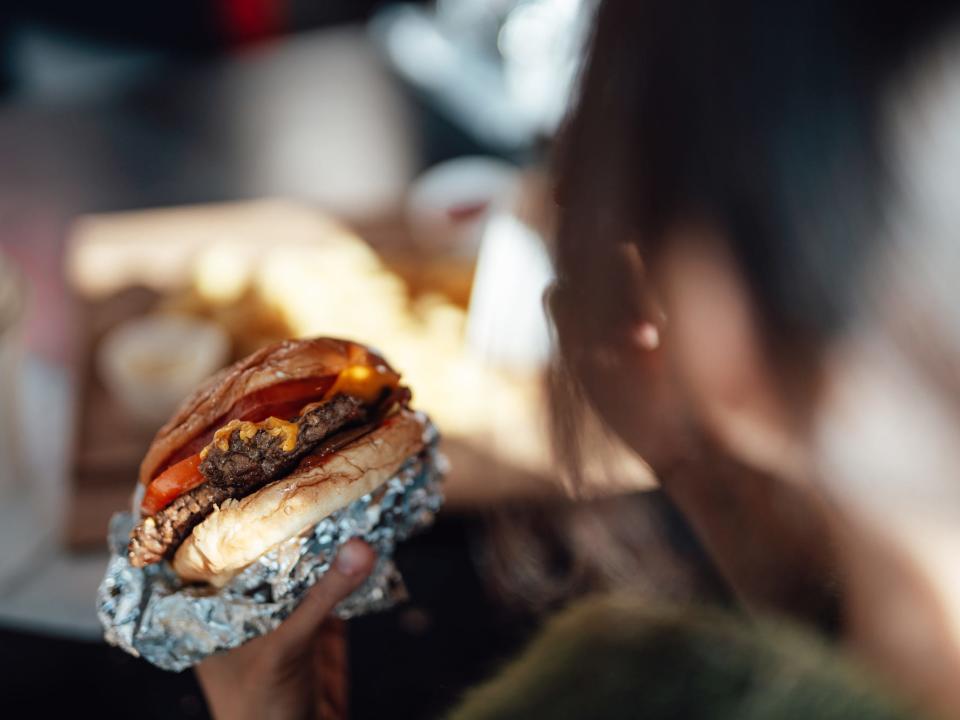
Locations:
column 236, row 488
column 281, row 673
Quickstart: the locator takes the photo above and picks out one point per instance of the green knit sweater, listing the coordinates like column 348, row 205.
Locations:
column 617, row 657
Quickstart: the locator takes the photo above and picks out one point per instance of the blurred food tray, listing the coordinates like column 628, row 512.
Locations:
column 271, row 269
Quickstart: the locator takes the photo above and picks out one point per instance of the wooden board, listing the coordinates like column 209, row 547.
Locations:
column 121, row 266
column 107, row 443
column 111, row 258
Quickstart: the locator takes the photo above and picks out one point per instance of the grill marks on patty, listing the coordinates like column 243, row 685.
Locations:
column 155, row 536
column 250, row 463
column 243, row 467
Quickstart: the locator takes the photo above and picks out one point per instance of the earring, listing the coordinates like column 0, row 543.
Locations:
column 646, row 335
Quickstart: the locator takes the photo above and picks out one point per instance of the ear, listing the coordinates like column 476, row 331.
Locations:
column 715, row 347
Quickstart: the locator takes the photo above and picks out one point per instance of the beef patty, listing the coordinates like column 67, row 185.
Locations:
column 156, row 536
column 248, row 463
column 237, row 470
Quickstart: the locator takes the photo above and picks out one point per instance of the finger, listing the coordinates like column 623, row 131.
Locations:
column 350, row 568
column 331, row 670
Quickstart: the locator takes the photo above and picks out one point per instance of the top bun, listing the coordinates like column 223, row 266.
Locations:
column 279, row 363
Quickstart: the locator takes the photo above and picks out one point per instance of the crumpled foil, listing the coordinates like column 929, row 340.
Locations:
column 150, row 613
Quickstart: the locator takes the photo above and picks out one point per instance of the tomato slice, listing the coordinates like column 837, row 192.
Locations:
column 171, row 484
column 283, row 400
column 181, row 472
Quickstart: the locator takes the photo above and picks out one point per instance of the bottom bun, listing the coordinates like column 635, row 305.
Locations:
column 240, row 531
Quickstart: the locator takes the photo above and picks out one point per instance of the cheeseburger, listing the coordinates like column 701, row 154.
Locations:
column 265, row 450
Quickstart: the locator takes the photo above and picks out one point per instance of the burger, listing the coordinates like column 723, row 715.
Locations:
column 265, row 450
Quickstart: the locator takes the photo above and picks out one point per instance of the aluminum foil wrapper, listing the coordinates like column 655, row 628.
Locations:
column 150, row 613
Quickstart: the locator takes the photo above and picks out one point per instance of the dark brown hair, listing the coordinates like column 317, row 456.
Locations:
column 758, row 118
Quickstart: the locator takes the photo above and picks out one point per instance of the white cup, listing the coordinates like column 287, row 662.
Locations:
column 151, row 363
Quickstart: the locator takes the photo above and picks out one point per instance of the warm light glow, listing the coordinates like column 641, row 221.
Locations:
column 363, row 382
column 241, row 264
column 221, row 273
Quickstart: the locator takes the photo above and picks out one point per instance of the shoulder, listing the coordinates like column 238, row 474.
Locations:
column 620, row 657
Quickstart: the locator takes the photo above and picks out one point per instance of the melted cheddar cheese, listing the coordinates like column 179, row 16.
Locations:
column 364, row 382
column 360, row 381
column 274, row 426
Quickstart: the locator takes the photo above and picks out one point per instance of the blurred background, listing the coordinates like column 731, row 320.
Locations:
column 184, row 182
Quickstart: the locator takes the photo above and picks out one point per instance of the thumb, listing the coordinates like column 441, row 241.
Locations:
column 349, row 569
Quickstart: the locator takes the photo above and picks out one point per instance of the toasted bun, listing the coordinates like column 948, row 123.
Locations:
column 240, row 531
column 283, row 362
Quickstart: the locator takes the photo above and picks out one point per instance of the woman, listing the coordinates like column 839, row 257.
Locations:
column 756, row 265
